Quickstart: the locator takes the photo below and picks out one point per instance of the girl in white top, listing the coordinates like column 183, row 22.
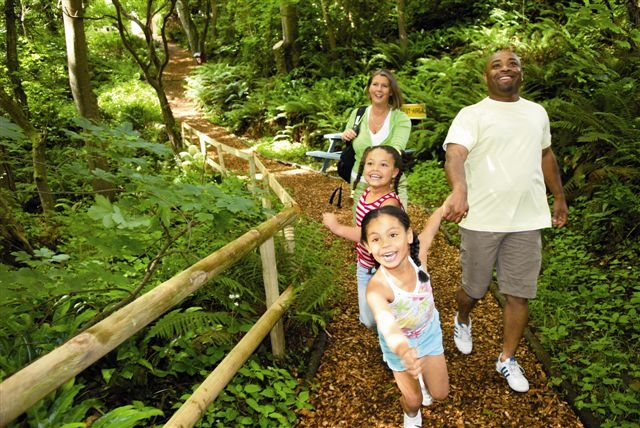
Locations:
column 401, row 298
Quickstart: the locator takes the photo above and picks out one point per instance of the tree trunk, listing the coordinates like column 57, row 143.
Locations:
column 167, row 114
column 13, row 71
column 189, row 27
column 80, row 83
column 287, row 50
column 633, row 9
column 331, row 35
column 7, row 180
column 153, row 64
column 213, row 20
column 38, row 143
column 205, row 30
column 78, row 61
column 402, row 28
column 13, row 65
column 11, row 232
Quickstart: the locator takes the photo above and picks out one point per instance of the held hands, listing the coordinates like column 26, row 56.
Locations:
column 455, row 207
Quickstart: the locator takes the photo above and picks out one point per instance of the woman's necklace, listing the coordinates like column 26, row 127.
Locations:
column 376, row 121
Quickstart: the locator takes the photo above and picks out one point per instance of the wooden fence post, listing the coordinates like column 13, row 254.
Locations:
column 270, row 278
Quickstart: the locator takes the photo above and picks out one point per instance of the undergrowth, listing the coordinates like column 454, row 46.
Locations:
column 163, row 220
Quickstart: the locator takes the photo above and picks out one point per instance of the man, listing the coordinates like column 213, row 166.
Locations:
column 498, row 161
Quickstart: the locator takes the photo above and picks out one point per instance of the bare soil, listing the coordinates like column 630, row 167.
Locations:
column 352, row 386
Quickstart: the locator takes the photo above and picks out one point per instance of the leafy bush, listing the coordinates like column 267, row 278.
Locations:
column 218, row 88
column 133, row 101
column 593, row 349
column 428, row 184
column 258, row 397
column 283, row 148
column 113, row 250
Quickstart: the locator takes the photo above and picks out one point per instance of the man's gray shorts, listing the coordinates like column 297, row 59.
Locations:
column 515, row 255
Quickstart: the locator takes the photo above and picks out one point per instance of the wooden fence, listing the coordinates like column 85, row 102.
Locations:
column 26, row 387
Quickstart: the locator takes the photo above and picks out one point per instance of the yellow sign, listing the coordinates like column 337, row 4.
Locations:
column 415, row 111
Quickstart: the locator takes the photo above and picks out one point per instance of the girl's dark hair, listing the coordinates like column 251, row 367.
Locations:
column 395, row 98
column 397, row 163
column 403, row 218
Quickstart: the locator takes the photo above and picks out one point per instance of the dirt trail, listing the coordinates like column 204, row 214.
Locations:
column 353, row 388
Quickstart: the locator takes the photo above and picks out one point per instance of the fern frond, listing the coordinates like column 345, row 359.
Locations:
column 178, row 323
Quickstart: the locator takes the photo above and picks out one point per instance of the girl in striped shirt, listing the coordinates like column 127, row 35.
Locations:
column 381, row 168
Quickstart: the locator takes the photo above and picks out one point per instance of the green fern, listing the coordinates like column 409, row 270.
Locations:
column 191, row 321
column 316, row 279
column 128, row 416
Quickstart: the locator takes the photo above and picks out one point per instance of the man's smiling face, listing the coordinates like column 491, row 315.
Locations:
column 503, row 74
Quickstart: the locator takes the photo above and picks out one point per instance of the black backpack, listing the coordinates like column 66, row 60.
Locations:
column 348, row 155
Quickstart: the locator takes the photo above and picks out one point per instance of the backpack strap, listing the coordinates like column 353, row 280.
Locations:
column 359, row 114
column 337, row 196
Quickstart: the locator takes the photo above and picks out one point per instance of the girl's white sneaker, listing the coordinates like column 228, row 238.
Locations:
column 413, row 422
column 427, row 400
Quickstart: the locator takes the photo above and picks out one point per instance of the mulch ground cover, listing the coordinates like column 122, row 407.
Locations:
column 352, row 387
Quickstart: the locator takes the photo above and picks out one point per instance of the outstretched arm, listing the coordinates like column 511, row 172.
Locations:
column 331, row 222
column 428, row 233
column 553, row 182
column 389, row 328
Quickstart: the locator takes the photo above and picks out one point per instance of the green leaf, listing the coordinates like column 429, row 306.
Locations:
column 127, row 416
column 252, row 388
column 9, row 130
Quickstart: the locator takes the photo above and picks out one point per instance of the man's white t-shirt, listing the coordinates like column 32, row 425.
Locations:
column 505, row 184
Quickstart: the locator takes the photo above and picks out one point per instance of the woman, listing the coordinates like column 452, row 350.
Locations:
column 383, row 123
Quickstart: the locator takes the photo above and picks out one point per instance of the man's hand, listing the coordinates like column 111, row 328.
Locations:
column 560, row 213
column 455, row 207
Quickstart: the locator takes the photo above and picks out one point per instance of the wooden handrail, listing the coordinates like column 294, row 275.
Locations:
column 27, row 386
column 32, row 383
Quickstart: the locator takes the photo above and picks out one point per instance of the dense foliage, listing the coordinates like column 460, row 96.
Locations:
column 165, row 219
column 62, row 272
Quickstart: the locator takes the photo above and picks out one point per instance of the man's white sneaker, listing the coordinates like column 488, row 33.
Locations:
column 413, row 422
column 462, row 336
column 427, row 400
column 514, row 374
